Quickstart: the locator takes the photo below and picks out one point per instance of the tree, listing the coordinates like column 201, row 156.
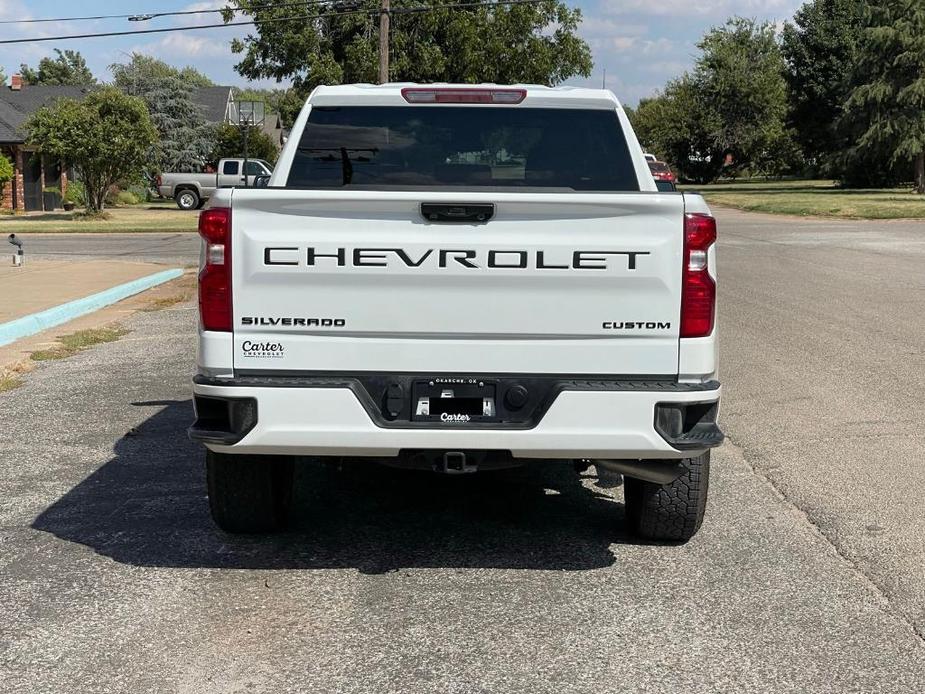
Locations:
column 728, row 113
column 676, row 125
column 287, row 103
column 106, row 137
column 820, row 48
column 229, row 142
column 6, row 173
column 740, row 78
column 2, row 77
column 503, row 44
column 69, row 67
column 146, row 67
column 194, row 78
column 186, row 138
column 887, row 108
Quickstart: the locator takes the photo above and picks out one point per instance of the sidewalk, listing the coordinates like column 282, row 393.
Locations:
column 43, row 284
column 51, row 286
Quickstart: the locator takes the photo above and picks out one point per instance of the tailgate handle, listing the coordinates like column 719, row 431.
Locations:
column 458, row 213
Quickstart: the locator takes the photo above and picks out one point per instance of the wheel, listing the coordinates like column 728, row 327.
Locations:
column 187, row 199
column 669, row 512
column 249, row 494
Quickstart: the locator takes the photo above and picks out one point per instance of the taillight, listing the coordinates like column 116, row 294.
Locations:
column 462, row 95
column 215, row 277
column 157, row 181
column 698, row 290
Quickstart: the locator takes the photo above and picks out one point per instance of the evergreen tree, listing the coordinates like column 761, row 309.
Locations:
column 887, row 108
column 186, row 138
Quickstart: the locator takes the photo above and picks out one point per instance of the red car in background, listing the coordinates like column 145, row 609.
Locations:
column 664, row 179
column 661, row 171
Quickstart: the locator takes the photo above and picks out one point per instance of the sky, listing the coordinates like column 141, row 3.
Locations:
column 639, row 44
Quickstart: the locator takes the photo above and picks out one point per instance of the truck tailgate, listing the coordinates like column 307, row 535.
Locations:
column 567, row 283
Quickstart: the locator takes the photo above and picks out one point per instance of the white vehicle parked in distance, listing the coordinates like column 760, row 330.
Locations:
column 458, row 278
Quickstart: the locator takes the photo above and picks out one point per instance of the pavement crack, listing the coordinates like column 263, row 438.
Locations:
column 888, row 604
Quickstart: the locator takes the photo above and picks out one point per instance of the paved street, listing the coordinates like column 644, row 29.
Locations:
column 806, row 577
column 168, row 248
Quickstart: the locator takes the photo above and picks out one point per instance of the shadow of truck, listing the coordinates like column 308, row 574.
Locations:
column 147, row 506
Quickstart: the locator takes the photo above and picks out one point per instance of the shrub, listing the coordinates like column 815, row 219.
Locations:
column 76, row 193
column 120, row 197
column 126, row 197
column 6, row 172
column 142, row 193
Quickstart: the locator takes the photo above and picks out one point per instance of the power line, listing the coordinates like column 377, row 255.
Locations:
column 302, row 18
column 144, row 16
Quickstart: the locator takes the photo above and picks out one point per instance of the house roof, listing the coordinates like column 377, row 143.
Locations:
column 17, row 106
column 214, row 101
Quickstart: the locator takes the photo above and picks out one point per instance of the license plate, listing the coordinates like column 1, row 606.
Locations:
column 454, row 400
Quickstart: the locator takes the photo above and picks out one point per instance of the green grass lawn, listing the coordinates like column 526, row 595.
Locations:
column 149, row 217
column 802, row 198
column 814, row 198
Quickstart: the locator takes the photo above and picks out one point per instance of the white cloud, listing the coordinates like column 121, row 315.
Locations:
column 632, row 44
column 605, row 27
column 207, row 18
column 190, row 46
column 702, row 8
column 13, row 9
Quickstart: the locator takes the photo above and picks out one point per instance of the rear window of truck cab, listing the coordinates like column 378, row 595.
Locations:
column 408, row 147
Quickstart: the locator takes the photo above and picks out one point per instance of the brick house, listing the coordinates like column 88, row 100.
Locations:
column 32, row 171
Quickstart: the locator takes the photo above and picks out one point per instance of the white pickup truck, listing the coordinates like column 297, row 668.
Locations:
column 459, row 278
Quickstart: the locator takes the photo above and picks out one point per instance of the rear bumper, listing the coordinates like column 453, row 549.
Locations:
column 583, row 419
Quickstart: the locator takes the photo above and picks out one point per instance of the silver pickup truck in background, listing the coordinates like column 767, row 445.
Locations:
column 191, row 190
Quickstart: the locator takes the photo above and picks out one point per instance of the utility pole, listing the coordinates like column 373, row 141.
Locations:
column 384, row 42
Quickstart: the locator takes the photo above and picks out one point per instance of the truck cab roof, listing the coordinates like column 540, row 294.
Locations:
column 393, row 94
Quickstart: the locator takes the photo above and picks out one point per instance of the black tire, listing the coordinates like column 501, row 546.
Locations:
column 249, row 494
column 187, row 199
column 669, row 512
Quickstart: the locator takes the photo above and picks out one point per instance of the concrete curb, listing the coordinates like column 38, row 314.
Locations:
column 49, row 318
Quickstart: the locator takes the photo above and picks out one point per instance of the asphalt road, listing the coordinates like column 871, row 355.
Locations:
column 806, row 577
column 171, row 248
